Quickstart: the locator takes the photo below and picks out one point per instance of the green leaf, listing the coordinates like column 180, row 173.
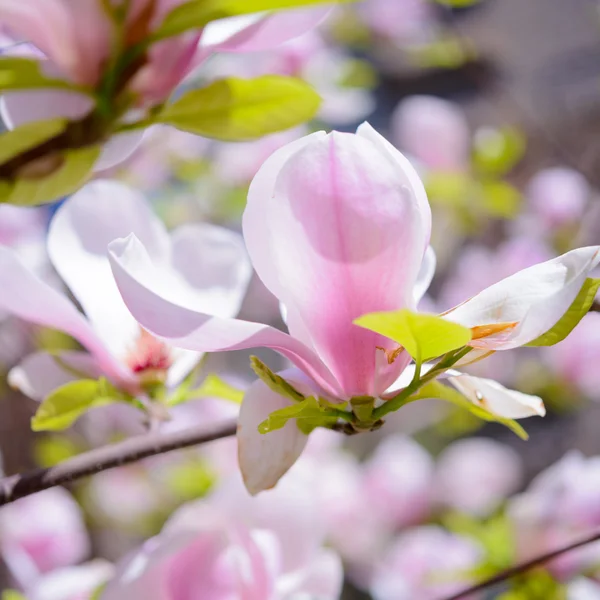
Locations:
column 15, row 142
column 191, row 480
column 435, row 389
column 20, row 73
column 423, row 336
column 51, row 450
column 12, row 595
column 500, row 199
column 197, row 13
column 274, row 382
column 580, row 307
column 498, row 151
column 311, row 411
column 212, row 387
column 50, row 178
column 243, row 109
column 60, row 409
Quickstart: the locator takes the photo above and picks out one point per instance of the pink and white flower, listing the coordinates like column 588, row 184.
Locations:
column 205, row 264
column 338, row 226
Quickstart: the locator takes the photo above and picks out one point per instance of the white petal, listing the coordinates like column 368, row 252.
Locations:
column 497, row 399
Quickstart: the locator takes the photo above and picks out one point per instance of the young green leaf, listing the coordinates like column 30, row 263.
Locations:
column 20, row 73
column 423, row 336
column 580, row 307
column 50, row 178
column 311, row 412
column 60, row 409
column 197, row 13
column 28, row 136
column 435, row 389
column 12, row 595
column 243, row 109
column 273, row 381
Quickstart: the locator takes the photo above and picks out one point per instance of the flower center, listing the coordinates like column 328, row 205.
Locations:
column 149, row 354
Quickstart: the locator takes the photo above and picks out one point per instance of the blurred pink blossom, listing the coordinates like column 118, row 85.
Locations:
column 41, row 533
column 476, row 475
column 427, row 563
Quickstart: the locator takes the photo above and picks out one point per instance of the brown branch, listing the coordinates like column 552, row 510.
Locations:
column 524, row 567
column 115, row 455
column 595, row 306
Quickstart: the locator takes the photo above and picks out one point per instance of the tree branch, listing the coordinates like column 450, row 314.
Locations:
column 524, row 567
column 115, row 455
column 595, row 306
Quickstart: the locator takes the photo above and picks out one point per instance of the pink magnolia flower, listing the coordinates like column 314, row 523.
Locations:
column 427, row 563
column 338, row 226
column 434, row 132
column 558, row 195
column 41, row 533
column 400, row 20
column 231, row 546
column 559, row 507
column 477, row 474
column 71, row 583
column 77, row 39
column 206, row 265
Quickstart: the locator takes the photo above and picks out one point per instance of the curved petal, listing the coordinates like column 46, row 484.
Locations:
column 322, row 578
column 158, row 303
column 259, row 32
column 497, row 399
column 335, row 229
column 534, row 299
column 118, row 149
column 78, row 247
column 39, row 374
column 265, row 458
column 425, row 276
column 26, row 296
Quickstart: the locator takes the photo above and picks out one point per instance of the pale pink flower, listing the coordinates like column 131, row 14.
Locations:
column 558, row 195
column 434, row 132
column 477, row 474
column 205, row 264
column 41, row 533
column 231, row 547
column 427, row 563
column 338, row 226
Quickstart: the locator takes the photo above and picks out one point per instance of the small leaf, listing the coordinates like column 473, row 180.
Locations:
column 28, row 136
column 274, row 382
column 20, row 73
column 314, row 412
column 498, row 151
column 580, row 307
column 60, row 409
column 12, row 595
column 423, row 336
column 500, row 199
column 212, row 387
column 243, row 109
column 197, row 13
column 50, row 178
column 435, row 389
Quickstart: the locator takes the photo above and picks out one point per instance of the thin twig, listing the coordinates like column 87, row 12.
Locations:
column 595, row 306
column 524, row 567
column 115, row 455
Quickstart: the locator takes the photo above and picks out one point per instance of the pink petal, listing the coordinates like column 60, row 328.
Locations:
column 41, row 373
column 256, row 33
column 322, row 578
column 162, row 307
column 265, row 458
column 77, row 244
column 534, row 298
column 28, row 297
column 337, row 227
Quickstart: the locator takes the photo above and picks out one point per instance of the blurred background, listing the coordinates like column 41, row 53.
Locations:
column 496, row 102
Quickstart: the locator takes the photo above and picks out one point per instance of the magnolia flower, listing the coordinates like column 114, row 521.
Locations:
column 41, row 533
column 76, row 39
column 475, row 475
column 206, row 266
column 434, row 132
column 338, row 226
column 233, row 546
column 425, row 563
